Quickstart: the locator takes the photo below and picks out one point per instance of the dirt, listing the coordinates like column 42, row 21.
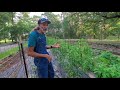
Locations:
column 9, row 61
column 112, row 48
column 13, row 67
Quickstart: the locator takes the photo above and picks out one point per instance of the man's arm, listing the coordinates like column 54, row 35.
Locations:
column 49, row 47
column 53, row 46
column 34, row 54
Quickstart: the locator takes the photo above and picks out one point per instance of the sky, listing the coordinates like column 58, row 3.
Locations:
column 39, row 13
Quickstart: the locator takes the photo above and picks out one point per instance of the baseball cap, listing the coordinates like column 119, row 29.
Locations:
column 42, row 20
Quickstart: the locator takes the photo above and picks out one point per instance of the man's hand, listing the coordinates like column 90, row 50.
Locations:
column 56, row 45
column 48, row 57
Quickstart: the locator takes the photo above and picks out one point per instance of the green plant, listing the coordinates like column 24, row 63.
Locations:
column 72, row 58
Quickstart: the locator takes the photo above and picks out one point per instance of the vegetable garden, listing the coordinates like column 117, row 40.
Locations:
column 89, row 42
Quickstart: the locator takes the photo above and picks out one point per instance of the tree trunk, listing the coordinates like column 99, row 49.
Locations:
column 12, row 40
column 100, row 34
column 118, row 36
column 5, row 40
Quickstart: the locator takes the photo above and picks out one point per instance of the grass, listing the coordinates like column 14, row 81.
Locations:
column 8, row 52
column 7, row 40
column 105, row 41
column 11, row 51
column 112, row 38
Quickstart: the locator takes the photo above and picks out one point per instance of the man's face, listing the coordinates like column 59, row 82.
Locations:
column 43, row 27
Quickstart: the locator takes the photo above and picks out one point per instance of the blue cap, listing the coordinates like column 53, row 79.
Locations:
column 42, row 20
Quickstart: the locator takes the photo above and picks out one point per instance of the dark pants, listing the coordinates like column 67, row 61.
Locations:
column 45, row 70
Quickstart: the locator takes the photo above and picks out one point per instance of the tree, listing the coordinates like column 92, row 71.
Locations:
column 55, row 26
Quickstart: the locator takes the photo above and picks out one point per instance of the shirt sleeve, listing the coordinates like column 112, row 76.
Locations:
column 31, row 40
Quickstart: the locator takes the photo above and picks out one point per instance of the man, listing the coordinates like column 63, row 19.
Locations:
column 37, row 48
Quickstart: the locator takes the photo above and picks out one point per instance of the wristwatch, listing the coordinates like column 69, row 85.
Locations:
column 51, row 46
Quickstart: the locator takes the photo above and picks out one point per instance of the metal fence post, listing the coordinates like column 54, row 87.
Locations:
column 23, row 57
